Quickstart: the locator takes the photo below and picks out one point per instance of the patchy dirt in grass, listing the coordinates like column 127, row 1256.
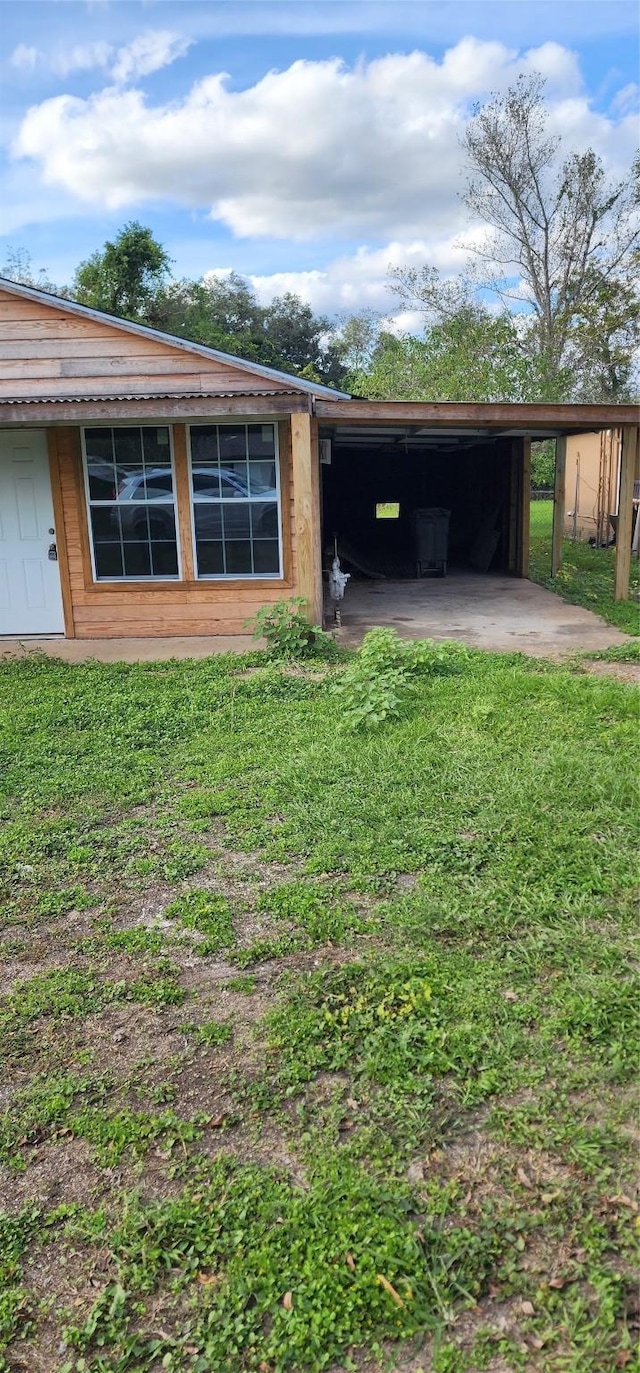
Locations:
column 59, row 1170
column 157, row 1058
column 119, row 1038
column 64, row 1280
column 623, row 672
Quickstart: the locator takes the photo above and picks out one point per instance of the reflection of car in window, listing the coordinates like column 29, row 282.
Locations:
column 211, row 486
column 215, row 483
column 140, row 521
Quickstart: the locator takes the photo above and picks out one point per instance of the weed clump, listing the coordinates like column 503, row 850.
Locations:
column 206, row 913
column 377, row 682
column 288, row 632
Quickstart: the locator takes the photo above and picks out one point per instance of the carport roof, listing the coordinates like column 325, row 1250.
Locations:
column 428, row 419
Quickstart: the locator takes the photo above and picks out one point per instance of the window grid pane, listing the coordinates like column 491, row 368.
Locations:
column 131, row 503
column 234, row 485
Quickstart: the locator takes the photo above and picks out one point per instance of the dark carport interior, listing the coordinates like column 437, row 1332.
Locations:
column 376, row 479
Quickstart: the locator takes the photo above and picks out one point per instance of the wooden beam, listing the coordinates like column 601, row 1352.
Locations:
column 524, row 510
column 559, row 502
column 305, row 468
column 205, row 409
column 183, row 502
column 61, row 534
column 514, row 506
column 497, row 415
column 625, row 511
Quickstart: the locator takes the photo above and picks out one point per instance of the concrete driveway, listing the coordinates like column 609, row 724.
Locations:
column 492, row 612
column 501, row 613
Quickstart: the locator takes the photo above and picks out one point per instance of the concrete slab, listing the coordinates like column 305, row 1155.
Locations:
column 127, row 650
column 491, row 612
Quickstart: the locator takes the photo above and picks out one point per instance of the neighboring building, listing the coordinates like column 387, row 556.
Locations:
column 592, row 485
column 152, row 486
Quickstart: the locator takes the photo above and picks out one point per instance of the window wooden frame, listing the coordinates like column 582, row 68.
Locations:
column 148, row 580
column 269, row 579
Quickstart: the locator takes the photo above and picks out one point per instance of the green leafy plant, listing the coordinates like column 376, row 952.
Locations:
column 287, row 630
column 207, row 913
column 245, row 983
column 211, row 1033
column 320, row 913
column 376, row 684
column 15, row 1233
column 280, row 1277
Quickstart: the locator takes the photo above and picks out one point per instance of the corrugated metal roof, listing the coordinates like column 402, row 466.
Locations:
column 146, row 395
column 200, row 349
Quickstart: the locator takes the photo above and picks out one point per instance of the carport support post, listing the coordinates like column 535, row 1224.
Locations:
column 524, row 520
column 628, row 460
column 558, row 505
column 305, row 471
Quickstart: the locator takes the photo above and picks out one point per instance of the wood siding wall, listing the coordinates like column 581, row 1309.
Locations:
column 106, row 610
column 47, row 352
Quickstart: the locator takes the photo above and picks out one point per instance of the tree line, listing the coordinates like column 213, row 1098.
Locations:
column 547, row 306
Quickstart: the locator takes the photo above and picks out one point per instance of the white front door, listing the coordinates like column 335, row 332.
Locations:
column 30, row 595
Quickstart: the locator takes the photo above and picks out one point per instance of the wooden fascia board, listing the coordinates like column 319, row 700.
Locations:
column 199, row 407
column 560, row 418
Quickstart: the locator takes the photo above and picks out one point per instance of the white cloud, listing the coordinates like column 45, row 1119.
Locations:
column 369, row 152
column 148, row 53
column 314, row 149
column 627, row 100
column 81, row 57
column 557, row 64
column 24, row 58
column 358, row 281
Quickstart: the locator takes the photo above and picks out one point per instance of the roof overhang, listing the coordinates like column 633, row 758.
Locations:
column 105, row 410
column 432, row 420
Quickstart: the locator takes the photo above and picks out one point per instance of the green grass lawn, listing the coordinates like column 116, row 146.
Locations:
column 318, row 1047
column 586, row 575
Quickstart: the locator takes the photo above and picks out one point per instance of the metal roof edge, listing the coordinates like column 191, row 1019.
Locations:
column 145, row 330
column 141, row 395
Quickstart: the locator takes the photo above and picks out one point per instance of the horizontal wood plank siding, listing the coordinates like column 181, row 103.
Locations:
column 166, row 384
column 137, row 610
column 46, row 352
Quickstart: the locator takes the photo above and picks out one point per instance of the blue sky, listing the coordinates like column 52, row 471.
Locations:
column 304, row 145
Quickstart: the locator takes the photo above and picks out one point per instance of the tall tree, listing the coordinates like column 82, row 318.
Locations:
column 560, row 253
column 18, row 266
column 223, row 312
column 356, row 340
column 562, row 234
column 465, row 355
column 219, row 311
column 124, row 277
column 296, row 334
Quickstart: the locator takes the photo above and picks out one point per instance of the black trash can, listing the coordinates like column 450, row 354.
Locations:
column 432, row 541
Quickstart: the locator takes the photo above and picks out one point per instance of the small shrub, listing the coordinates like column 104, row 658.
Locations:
column 287, row 630
column 375, row 685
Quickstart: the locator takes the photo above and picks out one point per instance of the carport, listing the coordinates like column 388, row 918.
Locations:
column 381, row 462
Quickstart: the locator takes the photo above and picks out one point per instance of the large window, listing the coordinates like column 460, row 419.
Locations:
column 236, row 516
column 130, row 495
